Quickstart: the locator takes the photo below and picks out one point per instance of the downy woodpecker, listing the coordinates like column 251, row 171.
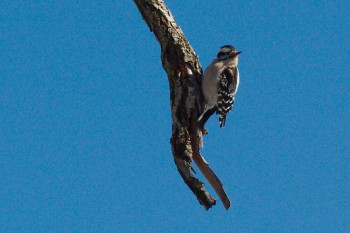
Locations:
column 219, row 85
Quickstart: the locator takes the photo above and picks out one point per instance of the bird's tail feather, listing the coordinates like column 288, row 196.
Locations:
column 205, row 116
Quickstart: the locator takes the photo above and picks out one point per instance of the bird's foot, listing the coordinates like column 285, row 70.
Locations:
column 204, row 131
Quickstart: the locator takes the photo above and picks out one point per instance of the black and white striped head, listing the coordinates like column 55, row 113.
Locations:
column 227, row 51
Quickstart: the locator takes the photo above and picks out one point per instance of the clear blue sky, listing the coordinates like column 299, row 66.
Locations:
column 85, row 118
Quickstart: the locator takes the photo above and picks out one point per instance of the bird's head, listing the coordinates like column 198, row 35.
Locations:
column 227, row 51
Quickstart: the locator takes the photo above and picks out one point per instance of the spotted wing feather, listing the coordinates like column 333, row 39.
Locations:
column 227, row 87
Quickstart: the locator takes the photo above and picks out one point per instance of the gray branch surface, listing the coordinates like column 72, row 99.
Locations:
column 184, row 72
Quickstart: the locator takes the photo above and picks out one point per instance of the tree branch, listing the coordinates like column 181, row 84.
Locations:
column 184, row 72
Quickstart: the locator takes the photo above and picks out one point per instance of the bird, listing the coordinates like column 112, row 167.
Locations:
column 219, row 85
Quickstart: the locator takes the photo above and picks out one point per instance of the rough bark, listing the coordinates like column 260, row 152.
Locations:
column 184, row 73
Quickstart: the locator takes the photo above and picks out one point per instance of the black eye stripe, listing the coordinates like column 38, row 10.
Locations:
column 227, row 53
column 223, row 53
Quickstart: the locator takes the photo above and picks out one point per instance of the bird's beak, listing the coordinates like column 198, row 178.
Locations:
column 234, row 53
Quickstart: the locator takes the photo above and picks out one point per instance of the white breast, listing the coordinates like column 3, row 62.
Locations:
column 210, row 83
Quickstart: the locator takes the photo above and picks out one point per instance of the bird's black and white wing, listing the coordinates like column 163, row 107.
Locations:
column 227, row 88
